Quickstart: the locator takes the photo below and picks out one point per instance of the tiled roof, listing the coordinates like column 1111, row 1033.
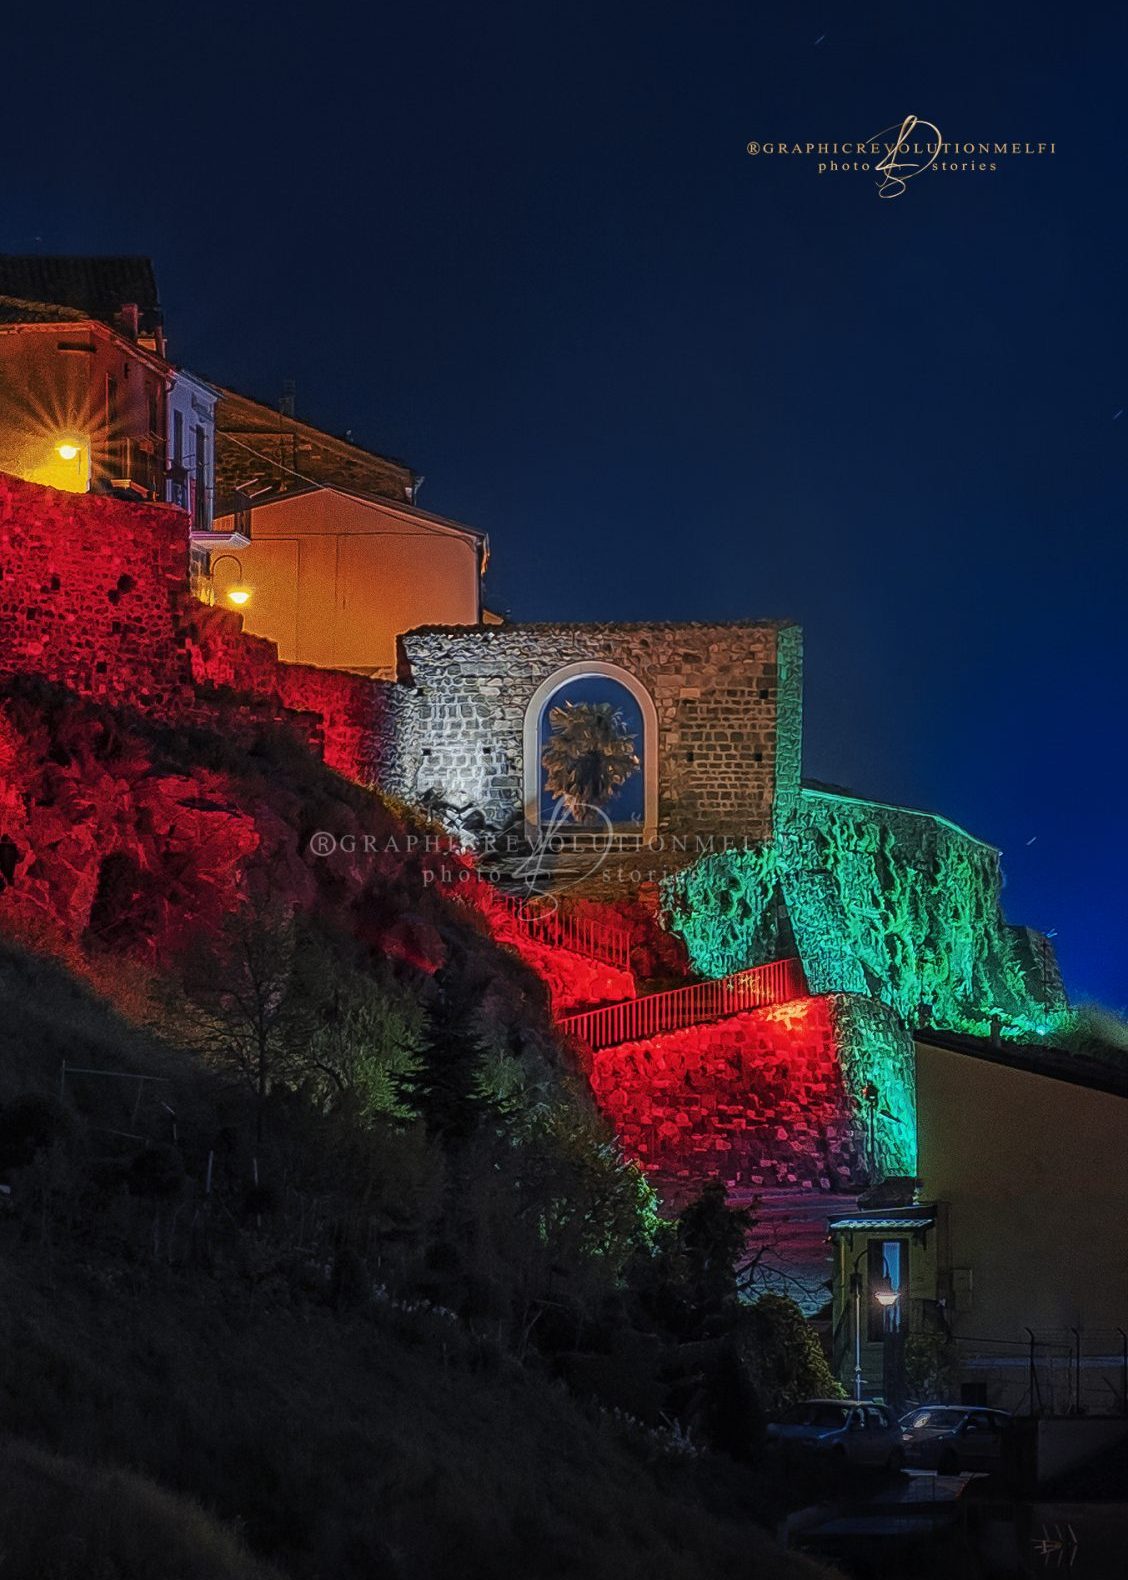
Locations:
column 14, row 310
column 281, row 456
column 96, row 287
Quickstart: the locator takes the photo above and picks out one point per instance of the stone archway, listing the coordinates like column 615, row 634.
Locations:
column 532, row 745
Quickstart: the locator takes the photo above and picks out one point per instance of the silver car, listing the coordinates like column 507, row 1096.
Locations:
column 863, row 1434
column 951, row 1438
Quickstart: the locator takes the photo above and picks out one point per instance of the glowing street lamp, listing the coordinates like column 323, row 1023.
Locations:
column 238, row 592
column 65, row 464
column 884, row 1293
column 886, row 1297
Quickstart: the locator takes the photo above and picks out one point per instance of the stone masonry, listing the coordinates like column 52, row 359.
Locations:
column 715, row 688
column 774, row 1097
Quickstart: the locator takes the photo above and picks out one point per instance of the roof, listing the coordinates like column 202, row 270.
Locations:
column 396, row 507
column 258, row 442
column 883, row 1220
column 912, row 1218
column 1056, row 1064
column 95, row 287
column 14, row 310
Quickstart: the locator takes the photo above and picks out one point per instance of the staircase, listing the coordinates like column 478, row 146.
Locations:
column 545, row 921
column 634, row 1020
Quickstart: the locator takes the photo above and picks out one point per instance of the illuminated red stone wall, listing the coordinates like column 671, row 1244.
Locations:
column 756, row 1100
column 94, row 595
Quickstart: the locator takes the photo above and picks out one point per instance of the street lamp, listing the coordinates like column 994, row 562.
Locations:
column 883, row 1293
column 238, row 592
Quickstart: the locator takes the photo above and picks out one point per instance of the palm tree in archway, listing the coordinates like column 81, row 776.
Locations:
column 588, row 756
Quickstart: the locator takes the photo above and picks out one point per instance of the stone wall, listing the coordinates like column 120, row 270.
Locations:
column 773, row 1098
column 94, row 595
column 715, row 689
column 884, row 901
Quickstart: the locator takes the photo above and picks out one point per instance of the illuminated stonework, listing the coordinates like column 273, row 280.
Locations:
column 817, row 1094
column 879, row 901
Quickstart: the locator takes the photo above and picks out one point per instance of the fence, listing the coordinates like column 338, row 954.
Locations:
column 1065, row 1371
column 545, row 920
column 635, row 1019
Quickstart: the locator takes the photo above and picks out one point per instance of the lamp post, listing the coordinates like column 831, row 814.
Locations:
column 883, row 1293
column 238, row 592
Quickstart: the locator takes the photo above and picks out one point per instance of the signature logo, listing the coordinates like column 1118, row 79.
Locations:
column 597, row 847
column 907, row 157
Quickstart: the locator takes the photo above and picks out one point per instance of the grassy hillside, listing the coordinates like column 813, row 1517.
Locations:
column 71, row 1521
column 199, row 1402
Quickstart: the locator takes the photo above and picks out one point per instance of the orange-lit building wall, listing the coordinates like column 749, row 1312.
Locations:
column 81, row 384
column 1032, row 1171
column 334, row 579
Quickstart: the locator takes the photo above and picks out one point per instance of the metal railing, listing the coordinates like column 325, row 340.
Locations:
column 546, row 921
column 633, row 1020
column 582, row 934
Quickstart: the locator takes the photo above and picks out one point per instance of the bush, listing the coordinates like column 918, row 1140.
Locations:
column 784, row 1357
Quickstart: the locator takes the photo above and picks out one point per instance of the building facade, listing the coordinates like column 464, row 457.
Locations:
column 332, row 557
column 1010, row 1255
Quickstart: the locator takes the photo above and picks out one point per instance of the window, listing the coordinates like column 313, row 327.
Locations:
column 888, row 1260
column 117, row 461
column 200, row 504
column 829, row 1417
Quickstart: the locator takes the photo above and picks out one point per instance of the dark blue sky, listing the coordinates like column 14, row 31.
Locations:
column 523, row 246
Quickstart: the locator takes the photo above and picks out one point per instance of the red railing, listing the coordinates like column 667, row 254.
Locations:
column 565, row 930
column 548, row 922
column 635, row 1019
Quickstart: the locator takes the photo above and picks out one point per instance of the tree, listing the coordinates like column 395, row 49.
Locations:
column 369, row 1038
column 244, row 1012
column 444, row 1085
column 711, row 1238
column 589, row 755
column 784, row 1356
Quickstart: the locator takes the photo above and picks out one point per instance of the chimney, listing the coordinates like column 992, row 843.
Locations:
column 129, row 319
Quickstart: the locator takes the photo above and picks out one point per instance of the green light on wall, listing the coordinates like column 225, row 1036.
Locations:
column 879, row 901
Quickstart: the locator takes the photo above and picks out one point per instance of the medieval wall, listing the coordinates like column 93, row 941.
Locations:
column 877, row 900
column 772, row 1098
column 715, row 689
column 94, row 596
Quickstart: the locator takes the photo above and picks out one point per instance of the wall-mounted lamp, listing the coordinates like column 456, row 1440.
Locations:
column 237, row 592
column 65, row 464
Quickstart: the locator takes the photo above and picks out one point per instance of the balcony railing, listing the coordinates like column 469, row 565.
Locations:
column 635, row 1019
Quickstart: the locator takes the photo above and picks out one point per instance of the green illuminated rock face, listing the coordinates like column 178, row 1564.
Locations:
column 890, row 904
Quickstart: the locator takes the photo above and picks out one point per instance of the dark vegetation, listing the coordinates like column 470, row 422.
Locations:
column 355, row 1276
column 358, row 1366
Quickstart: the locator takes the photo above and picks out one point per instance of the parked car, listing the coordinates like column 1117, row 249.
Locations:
column 949, row 1438
column 864, row 1434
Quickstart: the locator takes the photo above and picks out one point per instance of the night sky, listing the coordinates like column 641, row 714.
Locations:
column 523, row 247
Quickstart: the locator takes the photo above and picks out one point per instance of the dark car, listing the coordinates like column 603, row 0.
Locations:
column 863, row 1433
column 950, row 1438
